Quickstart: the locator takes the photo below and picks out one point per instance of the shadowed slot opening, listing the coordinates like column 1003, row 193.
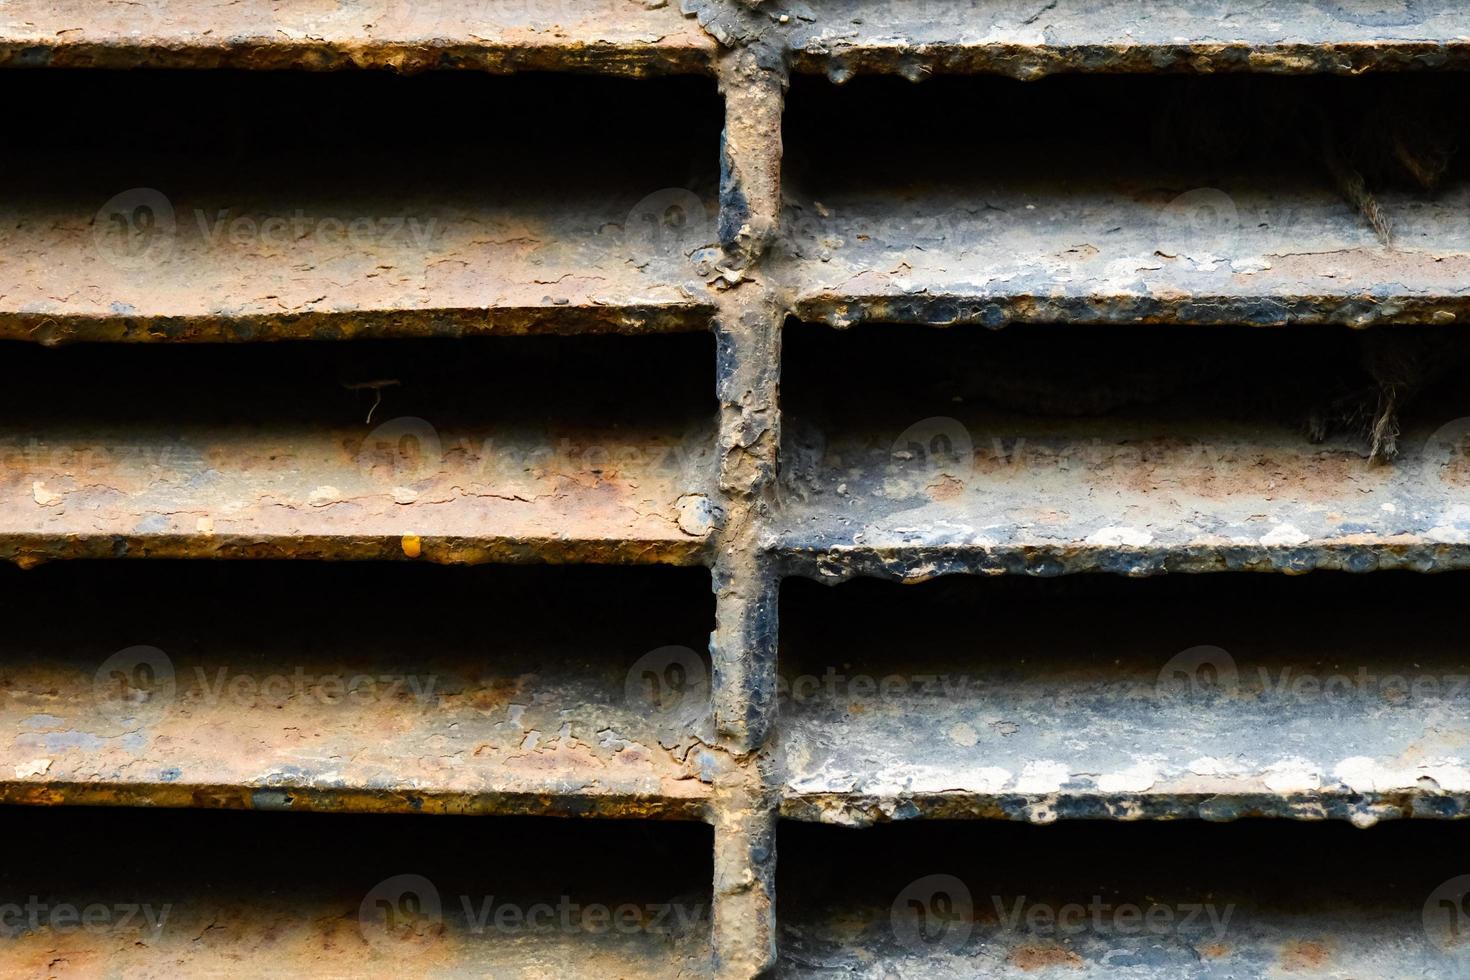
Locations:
column 1198, row 163
column 370, row 893
column 589, row 379
column 571, row 438
column 901, row 413
column 341, row 685
column 274, row 201
column 1097, row 696
column 1197, row 899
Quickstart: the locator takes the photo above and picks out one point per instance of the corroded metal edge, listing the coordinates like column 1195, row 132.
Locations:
column 743, row 644
column 749, row 361
column 29, row 550
column 352, row 799
column 632, row 60
column 1356, row 309
column 744, row 911
column 1361, row 809
column 361, row 324
column 641, row 60
column 1036, row 60
column 920, row 563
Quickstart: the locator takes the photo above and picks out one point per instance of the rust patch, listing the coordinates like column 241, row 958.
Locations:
column 1304, row 954
column 1038, row 956
column 633, row 39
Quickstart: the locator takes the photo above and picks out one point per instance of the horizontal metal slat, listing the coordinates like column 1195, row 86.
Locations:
column 260, row 220
column 1025, row 39
column 1051, row 449
column 1093, row 697
column 216, row 891
column 369, row 688
column 386, row 450
column 1107, row 253
column 1090, row 899
column 1263, row 201
column 612, row 36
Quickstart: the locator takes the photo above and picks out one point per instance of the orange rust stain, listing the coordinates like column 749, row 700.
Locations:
column 1228, row 472
column 1303, row 955
column 946, row 488
column 1035, row 956
column 1214, row 951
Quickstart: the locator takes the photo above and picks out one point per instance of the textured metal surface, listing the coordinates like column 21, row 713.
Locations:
column 164, row 696
column 1161, row 218
column 1029, row 38
column 286, row 451
column 626, row 37
column 510, row 897
column 262, row 220
column 1135, row 499
column 1024, row 254
column 1175, row 900
column 939, row 468
column 1097, row 697
column 1194, row 201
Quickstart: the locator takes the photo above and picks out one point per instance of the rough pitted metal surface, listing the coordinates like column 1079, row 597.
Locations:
column 613, row 36
column 1029, row 38
column 601, row 211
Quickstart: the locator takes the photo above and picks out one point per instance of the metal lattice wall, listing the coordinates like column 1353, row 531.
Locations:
column 877, row 480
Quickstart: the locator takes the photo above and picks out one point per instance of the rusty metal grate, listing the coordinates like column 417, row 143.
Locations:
column 459, row 329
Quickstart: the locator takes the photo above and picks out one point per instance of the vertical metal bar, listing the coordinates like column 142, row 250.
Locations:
column 745, row 886
column 743, row 645
column 748, row 332
column 753, row 79
column 743, row 652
